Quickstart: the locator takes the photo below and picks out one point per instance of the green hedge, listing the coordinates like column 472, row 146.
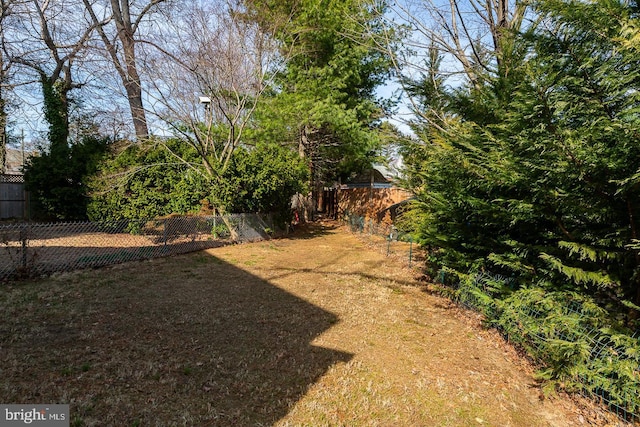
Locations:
column 578, row 347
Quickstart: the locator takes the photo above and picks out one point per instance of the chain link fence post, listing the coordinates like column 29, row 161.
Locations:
column 164, row 232
column 23, row 244
column 388, row 245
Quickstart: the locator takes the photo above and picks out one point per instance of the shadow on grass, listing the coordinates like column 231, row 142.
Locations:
column 41, row 257
column 181, row 341
column 312, row 230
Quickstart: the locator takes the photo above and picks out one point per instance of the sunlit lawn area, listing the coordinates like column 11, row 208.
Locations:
column 317, row 329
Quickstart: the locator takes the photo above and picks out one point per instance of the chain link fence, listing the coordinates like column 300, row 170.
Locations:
column 396, row 243
column 559, row 333
column 37, row 249
column 612, row 360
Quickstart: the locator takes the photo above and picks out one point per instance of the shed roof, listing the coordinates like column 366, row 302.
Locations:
column 377, row 174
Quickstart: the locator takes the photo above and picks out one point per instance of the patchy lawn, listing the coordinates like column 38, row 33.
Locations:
column 317, row 329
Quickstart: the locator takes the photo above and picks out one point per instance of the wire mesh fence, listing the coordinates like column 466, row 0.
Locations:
column 563, row 334
column 36, row 249
column 396, row 243
column 613, row 361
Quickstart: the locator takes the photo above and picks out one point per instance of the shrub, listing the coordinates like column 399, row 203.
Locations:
column 575, row 342
column 57, row 179
column 148, row 181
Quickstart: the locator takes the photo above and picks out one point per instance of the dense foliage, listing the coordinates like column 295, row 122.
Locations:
column 324, row 102
column 57, row 179
column 148, row 181
column 264, row 179
column 569, row 335
column 535, row 173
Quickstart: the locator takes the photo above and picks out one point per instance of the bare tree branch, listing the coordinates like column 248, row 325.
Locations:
column 121, row 48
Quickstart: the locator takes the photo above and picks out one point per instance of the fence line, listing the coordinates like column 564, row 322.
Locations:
column 36, row 249
column 613, row 362
column 397, row 243
column 13, row 197
column 607, row 356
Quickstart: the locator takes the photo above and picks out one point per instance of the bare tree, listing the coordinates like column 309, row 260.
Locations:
column 49, row 46
column 443, row 42
column 118, row 24
column 210, row 83
column 471, row 33
column 6, row 10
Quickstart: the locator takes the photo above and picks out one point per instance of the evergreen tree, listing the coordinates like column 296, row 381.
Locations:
column 147, row 180
column 579, row 112
column 324, row 103
column 57, row 179
column 153, row 180
column 535, row 174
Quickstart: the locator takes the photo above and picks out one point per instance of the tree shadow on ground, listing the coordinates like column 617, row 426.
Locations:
column 57, row 249
column 182, row 341
column 312, row 230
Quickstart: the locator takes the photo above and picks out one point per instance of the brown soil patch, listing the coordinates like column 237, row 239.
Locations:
column 316, row 329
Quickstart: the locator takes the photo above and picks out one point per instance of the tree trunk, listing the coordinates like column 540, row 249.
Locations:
column 3, row 133
column 134, row 95
column 3, row 103
column 129, row 74
column 56, row 112
column 305, row 149
column 127, row 69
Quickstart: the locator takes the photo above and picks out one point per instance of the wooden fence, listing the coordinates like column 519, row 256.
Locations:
column 372, row 202
column 13, row 197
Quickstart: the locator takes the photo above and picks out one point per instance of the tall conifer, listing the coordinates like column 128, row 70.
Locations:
column 536, row 174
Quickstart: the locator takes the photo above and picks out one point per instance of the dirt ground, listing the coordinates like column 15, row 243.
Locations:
column 316, row 329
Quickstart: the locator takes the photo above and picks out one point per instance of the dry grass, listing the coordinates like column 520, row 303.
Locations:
column 318, row 329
